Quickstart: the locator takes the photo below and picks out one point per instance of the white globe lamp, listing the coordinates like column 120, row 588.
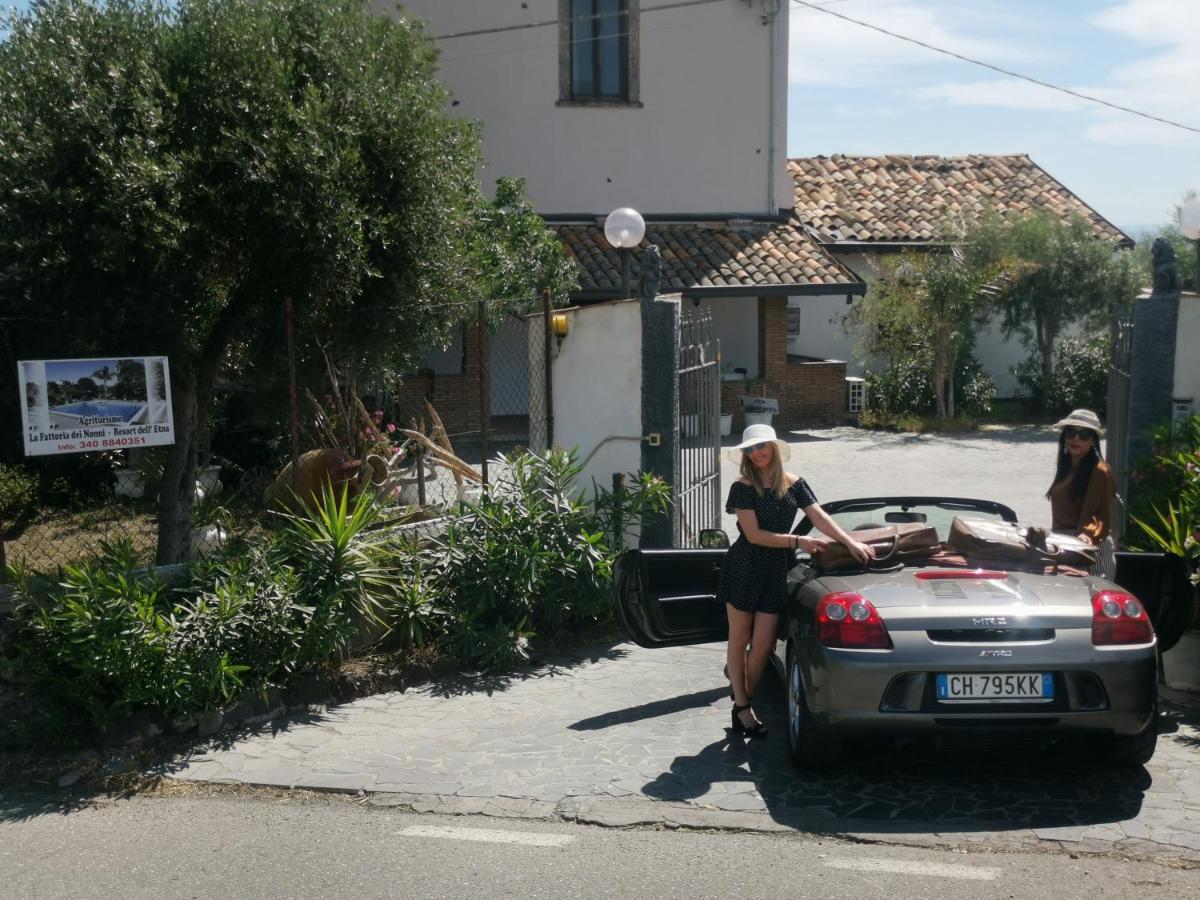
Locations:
column 624, row 228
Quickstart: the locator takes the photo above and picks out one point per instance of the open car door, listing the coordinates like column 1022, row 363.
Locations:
column 665, row 598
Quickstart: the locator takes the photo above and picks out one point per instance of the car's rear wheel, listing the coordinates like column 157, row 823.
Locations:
column 811, row 745
column 1129, row 751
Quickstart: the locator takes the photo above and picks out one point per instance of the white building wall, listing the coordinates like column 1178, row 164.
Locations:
column 822, row 334
column 597, row 374
column 700, row 142
column 1187, row 360
column 735, row 324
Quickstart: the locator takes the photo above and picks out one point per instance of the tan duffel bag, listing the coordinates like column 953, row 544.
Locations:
column 892, row 544
column 991, row 539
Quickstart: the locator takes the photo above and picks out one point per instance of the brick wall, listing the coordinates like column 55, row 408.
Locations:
column 814, row 392
column 455, row 397
column 809, row 392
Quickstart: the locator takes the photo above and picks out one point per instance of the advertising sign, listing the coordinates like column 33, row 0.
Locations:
column 86, row 405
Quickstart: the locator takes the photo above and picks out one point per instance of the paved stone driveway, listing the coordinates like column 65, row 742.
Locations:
column 596, row 736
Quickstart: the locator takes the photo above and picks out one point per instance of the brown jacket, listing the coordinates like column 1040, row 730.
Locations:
column 1093, row 515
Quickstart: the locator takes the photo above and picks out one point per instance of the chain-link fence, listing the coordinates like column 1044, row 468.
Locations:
column 485, row 390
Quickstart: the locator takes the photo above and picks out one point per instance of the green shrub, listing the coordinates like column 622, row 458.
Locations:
column 1080, row 377
column 110, row 640
column 95, row 647
column 530, row 558
column 17, row 492
column 906, row 388
column 1166, row 490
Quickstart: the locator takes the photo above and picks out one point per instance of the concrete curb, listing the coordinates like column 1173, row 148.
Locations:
column 609, row 812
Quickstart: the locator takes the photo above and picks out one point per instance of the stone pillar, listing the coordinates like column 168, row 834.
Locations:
column 1152, row 380
column 660, row 409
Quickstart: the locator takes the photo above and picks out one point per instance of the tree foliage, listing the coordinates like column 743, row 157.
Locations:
column 170, row 172
column 1062, row 274
column 928, row 303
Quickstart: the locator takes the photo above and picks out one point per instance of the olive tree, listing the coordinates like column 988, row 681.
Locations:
column 171, row 172
column 1061, row 274
column 928, row 302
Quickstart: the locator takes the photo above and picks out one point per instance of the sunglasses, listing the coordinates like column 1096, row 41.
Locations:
column 761, row 445
column 1071, row 433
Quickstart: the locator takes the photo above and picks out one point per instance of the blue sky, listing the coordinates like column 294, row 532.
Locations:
column 856, row 91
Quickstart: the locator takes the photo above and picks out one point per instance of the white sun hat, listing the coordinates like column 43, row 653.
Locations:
column 759, row 434
column 1081, row 418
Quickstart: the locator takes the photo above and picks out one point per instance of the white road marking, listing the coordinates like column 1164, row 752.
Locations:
column 487, row 835
column 900, row 867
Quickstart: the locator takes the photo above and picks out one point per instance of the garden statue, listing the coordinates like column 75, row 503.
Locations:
column 1164, row 266
column 650, row 272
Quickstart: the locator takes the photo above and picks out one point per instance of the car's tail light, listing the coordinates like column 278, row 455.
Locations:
column 845, row 619
column 1119, row 618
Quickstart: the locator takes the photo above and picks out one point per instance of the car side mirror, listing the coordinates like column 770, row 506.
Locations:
column 713, row 539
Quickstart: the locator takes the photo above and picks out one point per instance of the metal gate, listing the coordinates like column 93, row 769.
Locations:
column 697, row 490
column 1120, row 378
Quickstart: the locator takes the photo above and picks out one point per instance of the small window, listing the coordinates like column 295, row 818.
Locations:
column 856, row 394
column 793, row 321
column 598, row 52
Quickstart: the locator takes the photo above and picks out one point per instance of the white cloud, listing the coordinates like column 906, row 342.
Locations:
column 1007, row 92
column 826, row 50
column 1164, row 83
column 1151, row 21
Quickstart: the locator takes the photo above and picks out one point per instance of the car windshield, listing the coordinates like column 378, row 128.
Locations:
column 880, row 515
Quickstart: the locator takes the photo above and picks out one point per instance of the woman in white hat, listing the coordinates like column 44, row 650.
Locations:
column 753, row 580
column 1081, row 496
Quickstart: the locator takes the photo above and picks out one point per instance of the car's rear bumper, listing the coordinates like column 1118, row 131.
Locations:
column 1107, row 692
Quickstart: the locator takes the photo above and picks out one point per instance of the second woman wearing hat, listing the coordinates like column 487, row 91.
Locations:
column 1081, row 496
column 753, row 579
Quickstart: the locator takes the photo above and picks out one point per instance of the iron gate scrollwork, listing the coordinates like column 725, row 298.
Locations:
column 697, row 490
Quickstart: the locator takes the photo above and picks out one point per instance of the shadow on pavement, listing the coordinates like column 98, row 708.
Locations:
column 881, row 788
column 653, row 710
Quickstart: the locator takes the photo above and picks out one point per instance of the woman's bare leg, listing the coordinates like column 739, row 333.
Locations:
column 741, row 625
column 762, row 642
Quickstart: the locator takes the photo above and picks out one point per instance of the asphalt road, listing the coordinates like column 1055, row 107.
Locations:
column 239, row 846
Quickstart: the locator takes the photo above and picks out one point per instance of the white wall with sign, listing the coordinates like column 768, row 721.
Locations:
column 91, row 405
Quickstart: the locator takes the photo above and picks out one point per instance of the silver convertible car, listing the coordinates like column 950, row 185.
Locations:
column 941, row 646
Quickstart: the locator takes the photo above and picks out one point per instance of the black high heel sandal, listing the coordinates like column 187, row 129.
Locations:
column 757, row 730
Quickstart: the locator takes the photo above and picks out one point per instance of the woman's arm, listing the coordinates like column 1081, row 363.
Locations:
column 821, row 521
column 748, row 519
column 1095, row 513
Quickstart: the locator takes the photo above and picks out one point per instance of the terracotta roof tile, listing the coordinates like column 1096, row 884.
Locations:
column 893, row 199
column 710, row 254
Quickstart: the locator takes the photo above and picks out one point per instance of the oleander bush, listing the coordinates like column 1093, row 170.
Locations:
column 531, row 557
column 1080, row 377
column 107, row 640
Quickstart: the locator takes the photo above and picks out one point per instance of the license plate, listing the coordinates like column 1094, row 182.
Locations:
column 1008, row 687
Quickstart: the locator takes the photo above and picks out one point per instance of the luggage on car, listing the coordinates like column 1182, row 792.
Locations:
column 892, row 544
column 992, row 539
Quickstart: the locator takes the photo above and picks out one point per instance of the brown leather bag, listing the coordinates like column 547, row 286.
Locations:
column 991, row 539
column 892, row 544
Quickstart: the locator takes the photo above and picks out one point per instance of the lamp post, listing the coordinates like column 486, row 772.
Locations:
column 624, row 228
column 1189, row 225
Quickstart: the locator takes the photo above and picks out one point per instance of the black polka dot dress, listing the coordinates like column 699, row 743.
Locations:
column 754, row 578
